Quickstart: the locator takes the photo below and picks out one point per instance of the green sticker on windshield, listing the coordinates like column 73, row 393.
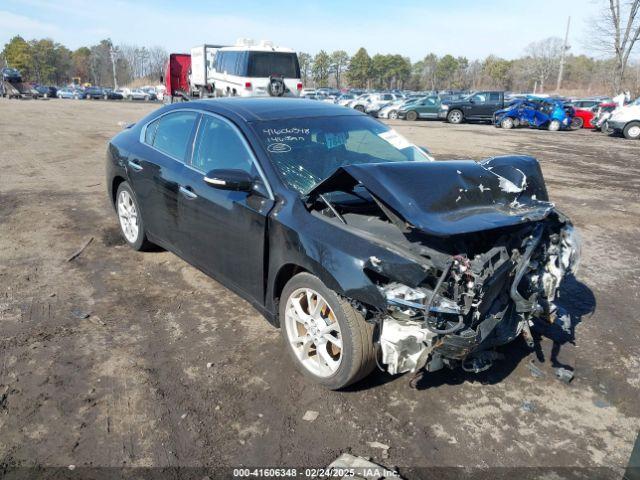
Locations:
column 333, row 140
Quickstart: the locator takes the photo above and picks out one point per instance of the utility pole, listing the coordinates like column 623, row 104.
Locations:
column 114, row 56
column 565, row 47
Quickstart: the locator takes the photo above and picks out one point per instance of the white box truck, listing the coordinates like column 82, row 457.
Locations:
column 203, row 59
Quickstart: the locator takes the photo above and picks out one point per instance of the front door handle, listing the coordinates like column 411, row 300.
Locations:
column 187, row 192
column 134, row 165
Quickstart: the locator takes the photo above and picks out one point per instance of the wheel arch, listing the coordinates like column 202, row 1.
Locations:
column 115, row 184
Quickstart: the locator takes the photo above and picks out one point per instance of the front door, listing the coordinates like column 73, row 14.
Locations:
column 225, row 230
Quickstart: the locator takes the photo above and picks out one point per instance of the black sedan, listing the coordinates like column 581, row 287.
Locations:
column 343, row 233
column 93, row 93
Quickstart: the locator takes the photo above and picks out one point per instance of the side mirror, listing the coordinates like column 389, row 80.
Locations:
column 230, row 179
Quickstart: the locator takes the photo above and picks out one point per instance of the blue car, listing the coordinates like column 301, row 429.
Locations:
column 549, row 113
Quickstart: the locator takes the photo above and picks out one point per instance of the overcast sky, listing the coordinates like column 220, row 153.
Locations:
column 412, row 28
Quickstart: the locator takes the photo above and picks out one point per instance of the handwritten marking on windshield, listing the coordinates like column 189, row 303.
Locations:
column 278, row 148
column 286, row 131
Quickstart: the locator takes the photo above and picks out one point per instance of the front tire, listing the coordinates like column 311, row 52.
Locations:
column 412, row 116
column 455, row 116
column 554, row 126
column 507, row 123
column 130, row 219
column 632, row 131
column 359, row 108
column 393, row 114
column 329, row 341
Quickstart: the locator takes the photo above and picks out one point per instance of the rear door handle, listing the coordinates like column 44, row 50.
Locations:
column 135, row 165
column 187, row 192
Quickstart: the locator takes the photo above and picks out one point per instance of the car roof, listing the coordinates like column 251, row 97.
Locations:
column 257, row 109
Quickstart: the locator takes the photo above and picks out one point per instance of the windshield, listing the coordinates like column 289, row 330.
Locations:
column 265, row 64
column 305, row 151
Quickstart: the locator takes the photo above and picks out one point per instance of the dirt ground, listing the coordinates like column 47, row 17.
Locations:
column 172, row 369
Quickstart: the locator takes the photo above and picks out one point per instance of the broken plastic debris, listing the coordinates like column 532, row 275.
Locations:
column 564, row 375
column 310, row 415
column 79, row 314
column 528, row 406
column 209, row 364
column 535, row 370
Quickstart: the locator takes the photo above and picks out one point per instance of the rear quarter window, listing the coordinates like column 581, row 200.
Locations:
column 172, row 134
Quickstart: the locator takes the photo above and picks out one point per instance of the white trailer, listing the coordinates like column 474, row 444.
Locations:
column 203, row 58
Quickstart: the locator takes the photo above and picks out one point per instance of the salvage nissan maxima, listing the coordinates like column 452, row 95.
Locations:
column 351, row 239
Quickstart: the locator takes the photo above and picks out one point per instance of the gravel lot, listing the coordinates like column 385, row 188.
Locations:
column 172, row 369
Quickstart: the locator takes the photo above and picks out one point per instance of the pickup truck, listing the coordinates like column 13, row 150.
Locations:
column 477, row 106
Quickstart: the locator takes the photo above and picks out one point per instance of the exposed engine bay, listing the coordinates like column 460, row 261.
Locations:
column 492, row 251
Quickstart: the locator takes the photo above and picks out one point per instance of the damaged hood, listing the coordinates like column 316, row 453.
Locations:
column 446, row 198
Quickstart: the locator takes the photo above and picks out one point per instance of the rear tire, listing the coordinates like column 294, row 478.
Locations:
column 356, row 356
column 577, row 123
column 359, row 108
column 631, row 131
column 131, row 228
column 455, row 116
column 412, row 116
column 393, row 115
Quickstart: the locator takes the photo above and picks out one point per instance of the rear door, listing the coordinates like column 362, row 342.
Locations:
column 158, row 172
column 494, row 103
column 225, row 231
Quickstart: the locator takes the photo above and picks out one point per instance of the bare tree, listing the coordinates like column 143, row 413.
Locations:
column 543, row 59
column 617, row 30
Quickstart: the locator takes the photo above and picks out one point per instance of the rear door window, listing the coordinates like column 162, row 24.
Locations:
column 173, row 133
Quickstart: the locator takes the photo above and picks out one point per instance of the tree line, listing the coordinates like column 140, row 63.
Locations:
column 47, row 62
column 545, row 65
column 536, row 70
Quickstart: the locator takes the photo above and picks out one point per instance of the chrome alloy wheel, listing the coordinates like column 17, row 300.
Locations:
column 313, row 332
column 128, row 216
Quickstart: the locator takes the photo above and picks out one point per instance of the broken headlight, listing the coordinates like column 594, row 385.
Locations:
column 415, row 301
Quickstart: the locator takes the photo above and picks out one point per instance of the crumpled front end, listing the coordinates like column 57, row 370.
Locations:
column 489, row 250
column 478, row 301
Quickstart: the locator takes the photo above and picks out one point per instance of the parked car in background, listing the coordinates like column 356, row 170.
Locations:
column 11, row 75
column 477, row 106
column 602, row 115
column 582, row 117
column 626, row 120
column 134, row 94
column 93, row 93
column 586, row 103
column 537, row 113
column 345, row 98
column 46, row 91
column 69, row 93
column 151, row 91
column 427, row 107
column 111, row 94
column 307, row 91
column 374, row 102
column 390, row 110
